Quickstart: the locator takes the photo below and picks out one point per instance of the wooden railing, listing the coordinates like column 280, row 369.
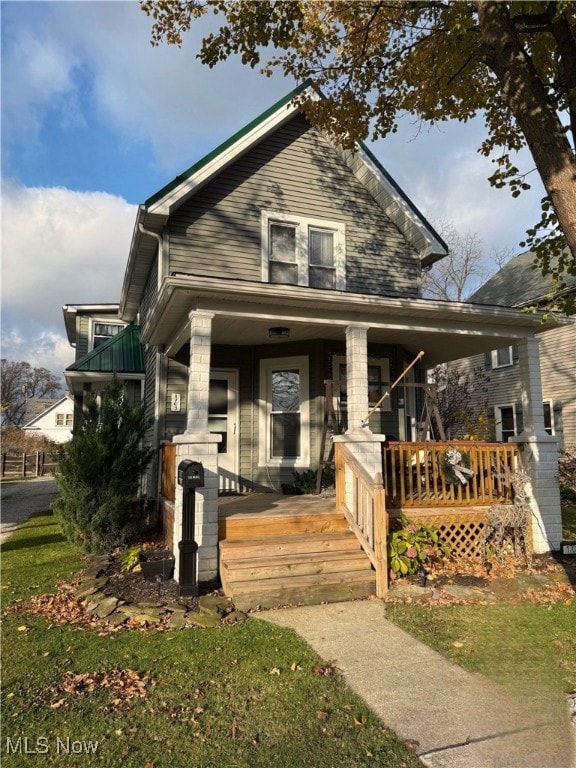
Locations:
column 361, row 499
column 419, row 474
column 168, row 471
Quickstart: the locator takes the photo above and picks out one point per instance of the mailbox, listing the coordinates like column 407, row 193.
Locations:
column 190, row 475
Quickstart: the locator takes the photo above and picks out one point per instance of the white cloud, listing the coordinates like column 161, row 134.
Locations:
column 161, row 96
column 60, row 247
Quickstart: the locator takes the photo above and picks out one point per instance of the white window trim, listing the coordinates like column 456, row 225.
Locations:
column 94, row 321
column 383, row 363
column 494, row 359
column 498, row 419
column 302, row 225
column 265, row 408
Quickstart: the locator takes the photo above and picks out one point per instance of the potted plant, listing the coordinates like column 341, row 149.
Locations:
column 157, row 564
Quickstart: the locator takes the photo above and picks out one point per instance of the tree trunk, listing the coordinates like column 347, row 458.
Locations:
column 524, row 94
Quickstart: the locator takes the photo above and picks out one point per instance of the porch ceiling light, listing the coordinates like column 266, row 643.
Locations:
column 279, row 332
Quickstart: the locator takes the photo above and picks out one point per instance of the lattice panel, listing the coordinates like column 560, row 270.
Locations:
column 461, row 532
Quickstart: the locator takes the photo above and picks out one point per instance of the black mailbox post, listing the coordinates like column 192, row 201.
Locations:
column 190, row 477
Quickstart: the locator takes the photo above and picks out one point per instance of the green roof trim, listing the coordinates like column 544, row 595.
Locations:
column 225, row 145
column 402, row 194
column 121, row 353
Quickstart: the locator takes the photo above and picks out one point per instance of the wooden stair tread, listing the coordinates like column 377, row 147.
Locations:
column 301, row 557
column 295, row 568
column 312, row 580
column 246, row 525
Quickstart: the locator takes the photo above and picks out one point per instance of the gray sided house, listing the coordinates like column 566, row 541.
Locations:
column 519, row 285
column 279, row 262
column 105, row 347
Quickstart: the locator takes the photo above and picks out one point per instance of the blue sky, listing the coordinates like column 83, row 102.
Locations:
column 95, row 120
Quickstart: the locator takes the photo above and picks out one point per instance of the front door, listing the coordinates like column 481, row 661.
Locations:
column 223, row 421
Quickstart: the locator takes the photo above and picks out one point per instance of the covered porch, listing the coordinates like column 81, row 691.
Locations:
column 213, row 317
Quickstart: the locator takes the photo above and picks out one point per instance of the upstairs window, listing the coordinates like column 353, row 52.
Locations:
column 503, row 357
column 306, row 252
column 64, row 419
column 104, row 331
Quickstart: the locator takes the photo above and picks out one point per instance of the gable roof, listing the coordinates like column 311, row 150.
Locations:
column 519, row 283
column 154, row 213
column 121, row 353
column 36, row 406
column 42, row 407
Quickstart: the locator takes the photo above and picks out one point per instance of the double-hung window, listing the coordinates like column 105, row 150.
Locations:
column 502, row 358
column 303, row 251
column 104, row 331
column 284, row 412
column 505, row 422
column 378, row 382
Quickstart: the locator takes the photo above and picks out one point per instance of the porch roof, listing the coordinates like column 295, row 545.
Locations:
column 245, row 310
column 121, row 354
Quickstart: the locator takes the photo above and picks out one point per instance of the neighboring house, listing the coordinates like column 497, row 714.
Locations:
column 519, row 285
column 52, row 419
column 277, row 262
column 105, row 347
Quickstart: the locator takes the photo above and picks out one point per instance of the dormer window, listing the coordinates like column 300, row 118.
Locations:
column 302, row 251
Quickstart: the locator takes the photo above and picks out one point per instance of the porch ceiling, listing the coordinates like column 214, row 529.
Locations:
column 244, row 312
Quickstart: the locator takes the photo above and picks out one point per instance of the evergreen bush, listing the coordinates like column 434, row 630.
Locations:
column 100, row 470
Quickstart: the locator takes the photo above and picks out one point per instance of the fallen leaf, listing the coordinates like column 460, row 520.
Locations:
column 274, row 671
column 363, row 720
column 458, row 644
column 22, row 628
column 322, row 715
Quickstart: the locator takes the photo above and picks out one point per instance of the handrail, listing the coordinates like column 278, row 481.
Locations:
column 417, row 474
column 361, row 499
column 168, row 471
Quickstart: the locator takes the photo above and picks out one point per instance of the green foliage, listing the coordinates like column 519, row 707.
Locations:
column 305, row 481
column 414, row 546
column 513, row 65
column 100, row 469
column 130, row 558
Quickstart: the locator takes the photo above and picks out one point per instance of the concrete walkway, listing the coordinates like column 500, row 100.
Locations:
column 20, row 499
column 457, row 719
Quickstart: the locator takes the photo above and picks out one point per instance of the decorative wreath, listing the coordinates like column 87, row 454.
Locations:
column 456, row 467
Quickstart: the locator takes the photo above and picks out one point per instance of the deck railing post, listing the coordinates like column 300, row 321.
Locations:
column 380, row 537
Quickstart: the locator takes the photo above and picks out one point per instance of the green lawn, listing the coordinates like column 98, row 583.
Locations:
column 522, row 645
column 249, row 695
column 569, row 521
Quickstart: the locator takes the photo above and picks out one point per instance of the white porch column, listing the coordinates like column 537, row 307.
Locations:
column 357, row 378
column 539, row 453
column 199, row 371
column 197, row 444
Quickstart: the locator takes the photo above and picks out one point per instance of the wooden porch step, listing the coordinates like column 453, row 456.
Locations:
column 300, row 543
column 304, row 569
column 281, row 566
column 248, row 526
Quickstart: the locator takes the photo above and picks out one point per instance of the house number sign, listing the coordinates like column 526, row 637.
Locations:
column 175, row 401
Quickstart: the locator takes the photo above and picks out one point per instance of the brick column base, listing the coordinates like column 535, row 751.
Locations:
column 540, row 462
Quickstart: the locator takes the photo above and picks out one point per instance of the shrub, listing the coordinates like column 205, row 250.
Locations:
column 100, row 470
column 412, row 547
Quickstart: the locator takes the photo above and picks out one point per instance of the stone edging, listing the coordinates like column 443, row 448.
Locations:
column 92, row 595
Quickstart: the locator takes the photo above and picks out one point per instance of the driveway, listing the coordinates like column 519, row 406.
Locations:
column 20, row 499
